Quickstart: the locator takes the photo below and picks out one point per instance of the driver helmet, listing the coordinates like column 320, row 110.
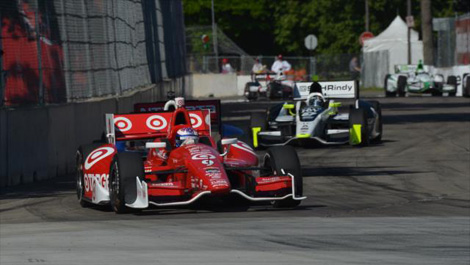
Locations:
column 186, row 135
column 316, row 102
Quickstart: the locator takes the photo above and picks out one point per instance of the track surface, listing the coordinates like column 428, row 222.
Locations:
column 405, row 201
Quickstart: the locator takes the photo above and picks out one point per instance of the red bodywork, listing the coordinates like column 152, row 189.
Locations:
column 180, row 174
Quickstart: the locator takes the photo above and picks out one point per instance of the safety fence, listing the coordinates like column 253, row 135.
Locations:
column 453, row 41
column 324, row 67
column 56, row 51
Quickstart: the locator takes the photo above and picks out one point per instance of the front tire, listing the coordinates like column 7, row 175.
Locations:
column 285, row 158
column 82, row 154
column 401, row 86
column 122, row 184
column 387, row 93
column 452, row 80
column 378, row 110
column 358, row 117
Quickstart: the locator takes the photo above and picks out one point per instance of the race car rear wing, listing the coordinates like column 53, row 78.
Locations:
column 212, row 105
column 329, row 89
column 409, row 68
column 151, row 125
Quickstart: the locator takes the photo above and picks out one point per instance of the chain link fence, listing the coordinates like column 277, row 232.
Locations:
column 57, row 51
column 326, row 67
column 453, row 40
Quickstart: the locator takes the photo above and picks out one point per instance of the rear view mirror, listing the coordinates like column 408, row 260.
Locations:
column 157, row 145
column 229, row 141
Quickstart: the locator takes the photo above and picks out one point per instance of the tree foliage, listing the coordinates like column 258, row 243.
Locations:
column 271, row 27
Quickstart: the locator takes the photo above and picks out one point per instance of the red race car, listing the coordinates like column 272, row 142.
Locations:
column 169, row 158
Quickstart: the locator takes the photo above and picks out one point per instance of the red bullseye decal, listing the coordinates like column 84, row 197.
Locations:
column 123, row 124
column 156, row 122
column 196, row 121
column 97, row 155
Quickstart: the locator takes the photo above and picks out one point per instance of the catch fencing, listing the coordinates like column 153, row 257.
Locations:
column 453, row 41
column 57, row 51
column 325, row 67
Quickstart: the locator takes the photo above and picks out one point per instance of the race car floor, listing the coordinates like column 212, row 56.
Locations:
column 404, row 201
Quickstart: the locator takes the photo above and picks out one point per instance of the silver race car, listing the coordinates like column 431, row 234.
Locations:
column 315, row 116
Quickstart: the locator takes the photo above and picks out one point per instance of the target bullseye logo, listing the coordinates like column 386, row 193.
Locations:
column 196, row 121
column 156, row 122
column 123, row 124
column 97, row 155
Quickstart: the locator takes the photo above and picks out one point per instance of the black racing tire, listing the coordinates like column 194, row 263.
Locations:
column 359, row 116
column 452, row 80
column 378, row 109
column 401, row 86
column 258, row 119
column 122, row 180
column 286, row 158
column 82, row 153
column 387, row 93
column 436, row 93
column 251, row 95
column 466, row 86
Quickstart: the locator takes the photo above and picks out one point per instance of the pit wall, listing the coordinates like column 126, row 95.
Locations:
column 39, row 143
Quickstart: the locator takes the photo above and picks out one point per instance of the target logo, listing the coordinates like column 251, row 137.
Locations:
column 196, row 121
column 123, row 124
column 156, row 122
column 97, row 155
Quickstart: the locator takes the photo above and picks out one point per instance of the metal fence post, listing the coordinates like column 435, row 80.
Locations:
column 39, row 51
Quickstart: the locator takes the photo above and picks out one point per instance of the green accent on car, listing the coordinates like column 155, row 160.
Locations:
column 355, row 134
column 303, row 136
column 333, row 108
column 289, row 107
column 255, row 131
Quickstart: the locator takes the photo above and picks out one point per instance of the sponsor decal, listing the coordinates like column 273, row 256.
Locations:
column 267, row 180
column 196, row 121
column 207, row 162
column 156, row 122
column 218, row 182
column 213, row 173
column 203, row 156
column 90, row 180
column 123, row 124
column 97, row 155
column 337, row 88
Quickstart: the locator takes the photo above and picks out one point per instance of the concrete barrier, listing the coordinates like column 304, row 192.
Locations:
column 40, row 143
column 241, row 82
column 218, row 85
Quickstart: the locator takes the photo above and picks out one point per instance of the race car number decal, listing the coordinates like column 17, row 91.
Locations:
column 156, row 122
column 97, row 155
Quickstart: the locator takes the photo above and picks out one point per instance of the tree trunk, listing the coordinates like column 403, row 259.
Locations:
column 426, row 27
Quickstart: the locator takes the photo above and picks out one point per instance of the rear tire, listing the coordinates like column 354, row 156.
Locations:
column 82, row 154
column 251, row 95
column 359, row 116
column 387, row 93
column 401, row 86
column 122, row 183
column 452, row 80
column 285, row 157
column 466, row 86
column 378, row 109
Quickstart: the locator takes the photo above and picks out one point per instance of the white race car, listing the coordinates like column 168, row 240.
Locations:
column 315, row 117
column 417, row 79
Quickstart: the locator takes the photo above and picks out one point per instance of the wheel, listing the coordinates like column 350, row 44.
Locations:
column 358, row 129
column 452, row 80
column 387, row 93
column 122, row 184
column 466, row 87
column 258, row 120
column 82, row 154
column 285, row 157
column 251, row 95
column 436, row 93
column 401, row 86
column 378, row 109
